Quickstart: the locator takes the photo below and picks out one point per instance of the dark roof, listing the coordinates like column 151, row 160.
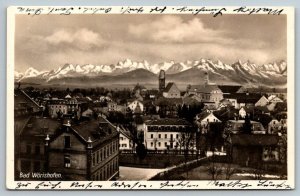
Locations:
column 168, row 121
column 243, row 97
column 168, row 101
column 23, row 101
column 203, row 88
column 229, row 88
column 254, row 140
column 190, row 101
column 203, row 115
column 91, row 128
column 169, row 86
column 37, row 126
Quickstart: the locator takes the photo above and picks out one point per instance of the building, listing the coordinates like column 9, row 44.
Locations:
column 203, row 119
column 85, row 151
column 229, row 89
column 263, row 101
column 126, row 139
column 206, row 92
column 168, row 134
column 171, row 91
column 258, row 151
column 31, row 155
column 236, row 127
column 25, row 108
column 136, row 106
column 274, row 99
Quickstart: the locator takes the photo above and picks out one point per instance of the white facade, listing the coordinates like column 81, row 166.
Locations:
column 263, row 101
column 168, row 139
column 133, row 105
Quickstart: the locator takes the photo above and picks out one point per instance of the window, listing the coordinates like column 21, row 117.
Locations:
column 67, row 142
column 159, row 135
column 151, row 144
column 166, row 144
column 158, row 144
column 166, row 136
column 177, row 136
column 67, row 161
column 151, row 136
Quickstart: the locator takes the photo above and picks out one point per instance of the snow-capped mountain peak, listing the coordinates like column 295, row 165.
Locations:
column 247, row 70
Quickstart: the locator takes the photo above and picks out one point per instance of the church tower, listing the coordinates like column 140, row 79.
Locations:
column 206, row 78
column 161, row 80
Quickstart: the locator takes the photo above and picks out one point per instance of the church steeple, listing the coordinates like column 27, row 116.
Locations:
column 206, row 78
column 162, row 80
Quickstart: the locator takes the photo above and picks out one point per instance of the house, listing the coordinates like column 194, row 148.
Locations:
column 87, row 113
column 256, row 151
column 224, row 103
column 236, row 127
column 84, row 151
column 125, row 140
column 239, row 100
column 112, row 106
column 168, row 106
column 204, row 119
column 136, row 106
column 246, row 111
column 171, row 91
column 207, row 92
column 139, row 92
column 274, row 99
column 263, row 101
column 168, row 134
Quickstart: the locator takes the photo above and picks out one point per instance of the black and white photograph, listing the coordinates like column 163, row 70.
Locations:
column 167, row 100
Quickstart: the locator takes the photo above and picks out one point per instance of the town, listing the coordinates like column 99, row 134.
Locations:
column 94, row 133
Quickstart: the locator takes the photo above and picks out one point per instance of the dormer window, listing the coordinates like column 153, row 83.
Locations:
column 67, row 142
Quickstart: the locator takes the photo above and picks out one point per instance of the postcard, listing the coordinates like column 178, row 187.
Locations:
column 150, row 97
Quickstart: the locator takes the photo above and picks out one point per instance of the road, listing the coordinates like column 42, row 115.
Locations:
column 133, row 173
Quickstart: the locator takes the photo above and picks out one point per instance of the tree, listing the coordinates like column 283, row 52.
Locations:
column 247, row 127
column 141, row 151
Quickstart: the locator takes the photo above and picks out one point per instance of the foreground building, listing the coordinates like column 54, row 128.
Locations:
column 85, row 151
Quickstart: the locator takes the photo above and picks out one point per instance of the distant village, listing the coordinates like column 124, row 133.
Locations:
column 86, row 134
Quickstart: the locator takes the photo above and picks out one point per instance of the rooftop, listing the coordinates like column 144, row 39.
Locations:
column 168, row 121
column 254, row 140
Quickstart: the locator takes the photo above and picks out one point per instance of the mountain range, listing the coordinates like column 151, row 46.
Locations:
column 188, row 72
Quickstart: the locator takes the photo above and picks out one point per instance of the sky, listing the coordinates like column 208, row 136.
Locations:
column 46, row 42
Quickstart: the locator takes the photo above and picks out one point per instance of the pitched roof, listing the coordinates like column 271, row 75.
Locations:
column 254, row 139
column 243, row 97
column 37, row 126
column 168, row 121
column 203, row 115
column 90, row 129
column 229, row 88
column 203, row 88
column 169, row 86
